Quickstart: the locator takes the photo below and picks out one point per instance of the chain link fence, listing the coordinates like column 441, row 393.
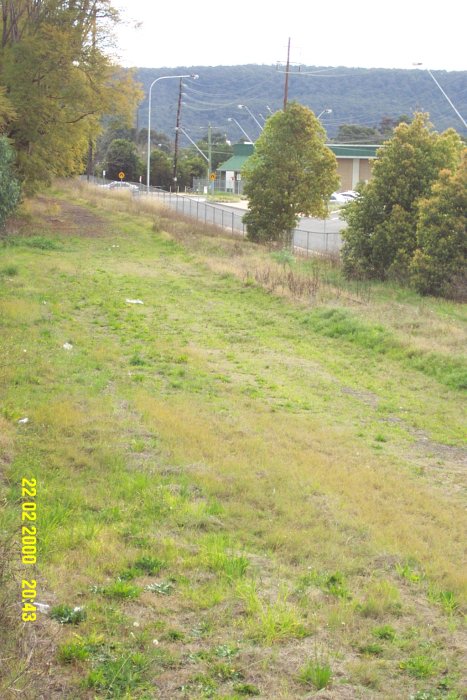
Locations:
column 305, row 241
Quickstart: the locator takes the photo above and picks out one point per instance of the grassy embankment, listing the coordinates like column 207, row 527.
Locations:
column 251, row 484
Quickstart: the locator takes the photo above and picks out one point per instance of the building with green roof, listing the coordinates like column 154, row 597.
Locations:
column 353, row 165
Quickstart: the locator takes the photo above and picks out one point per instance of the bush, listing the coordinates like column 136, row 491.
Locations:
column 439, row 264
column 381, row 237
column 9, row 187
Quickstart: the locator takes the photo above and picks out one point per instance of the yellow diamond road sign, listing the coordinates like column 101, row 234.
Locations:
column 213, row 176
column 121, row 175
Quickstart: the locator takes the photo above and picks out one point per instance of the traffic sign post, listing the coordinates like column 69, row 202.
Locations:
column 121, row 175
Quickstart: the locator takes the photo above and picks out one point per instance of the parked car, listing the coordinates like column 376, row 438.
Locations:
column 350, row 195
column 120, row 185
column 337, row 198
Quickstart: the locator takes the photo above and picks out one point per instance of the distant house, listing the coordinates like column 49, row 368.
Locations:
column 230, row 172
column 353, row 165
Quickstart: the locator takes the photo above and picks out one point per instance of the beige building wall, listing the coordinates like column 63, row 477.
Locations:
column 344, row 170
column 352, row 171
column 365, row 170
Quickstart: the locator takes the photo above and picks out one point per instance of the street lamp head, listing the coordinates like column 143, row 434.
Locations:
column 328, row 111
column 195, row 76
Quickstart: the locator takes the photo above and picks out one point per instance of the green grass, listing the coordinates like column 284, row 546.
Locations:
column 340, row 323
column 227, row 477
column 316, row 674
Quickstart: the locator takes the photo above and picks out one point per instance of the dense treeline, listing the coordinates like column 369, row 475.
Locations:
column 355, row 95
column 57, row 82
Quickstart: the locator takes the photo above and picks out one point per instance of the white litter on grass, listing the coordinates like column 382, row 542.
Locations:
column 42, row 607
column 134, row 301
column 23, row 420
column 67, row 346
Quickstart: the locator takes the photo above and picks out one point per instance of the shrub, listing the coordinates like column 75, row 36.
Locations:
column 9, row 187
column 381, row 237
column 439, row 263
column 315, row 674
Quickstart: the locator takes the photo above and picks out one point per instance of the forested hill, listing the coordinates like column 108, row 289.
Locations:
column 355, row 95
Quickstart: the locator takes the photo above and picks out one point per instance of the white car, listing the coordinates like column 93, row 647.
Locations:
column 337, row 198
column 116, row 185
column 350, row 195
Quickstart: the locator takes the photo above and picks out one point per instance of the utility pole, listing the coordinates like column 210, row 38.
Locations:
column 177, row 131
column 211, row 184
column 286, row 86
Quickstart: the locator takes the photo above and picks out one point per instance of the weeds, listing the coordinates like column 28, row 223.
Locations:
column 410, row 572
column 447, row 599
column 420, row 666
column 120, row 590
column 67, row 615
column 381, row 598
column 316, row 674
column 149, row 565
column 384, row 632
column 274, row 622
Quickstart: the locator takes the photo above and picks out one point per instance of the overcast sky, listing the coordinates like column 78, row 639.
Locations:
column 363, row 33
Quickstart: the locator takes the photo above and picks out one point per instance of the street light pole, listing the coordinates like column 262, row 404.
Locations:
column 325, row 111
column 231, row 119
column 251, row 115
column 444, row 94
column 179, row 128
column 162, row 77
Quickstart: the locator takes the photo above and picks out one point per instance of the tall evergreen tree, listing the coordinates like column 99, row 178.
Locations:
column 381, row 236
column 291, row 172
column 439, row 265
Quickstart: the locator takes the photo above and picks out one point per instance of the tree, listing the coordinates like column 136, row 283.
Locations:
column 381, row 236
column 291, row 172
column 356, row 133
column 9, row 186
column 157, row 138
column 122, row 156
column 190, row 166
column 60, row 82
column 161, row 170
column 220, row 149
column 440, row 261
column 388, row 124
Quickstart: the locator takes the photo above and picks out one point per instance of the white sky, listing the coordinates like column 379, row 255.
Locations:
column 362, row 33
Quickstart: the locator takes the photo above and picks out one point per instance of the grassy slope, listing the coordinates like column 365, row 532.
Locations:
column 289, row 477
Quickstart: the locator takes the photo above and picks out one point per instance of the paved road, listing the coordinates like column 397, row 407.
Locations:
column 315, row 235
column 311, row 234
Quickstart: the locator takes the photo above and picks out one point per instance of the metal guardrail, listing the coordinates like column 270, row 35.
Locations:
column 304, row 241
